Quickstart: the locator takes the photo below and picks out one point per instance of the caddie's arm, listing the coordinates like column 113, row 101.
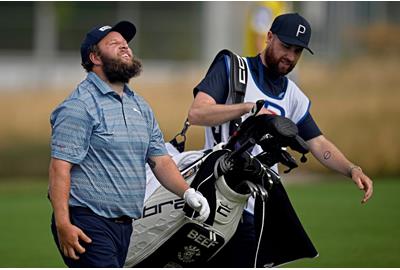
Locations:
column 166, row 172
column 59, row 188
column 330, row 156
column 204, row 111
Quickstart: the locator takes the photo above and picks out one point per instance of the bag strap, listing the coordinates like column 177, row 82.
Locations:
column 180, row 146
column 237, row 86
column 237, row 90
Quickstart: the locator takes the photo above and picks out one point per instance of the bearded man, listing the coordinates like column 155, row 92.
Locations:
column 103, row 134
column 266, row 77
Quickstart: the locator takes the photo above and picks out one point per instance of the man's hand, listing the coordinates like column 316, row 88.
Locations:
column 68, row 238
column 266, row 111
column 329, row 155
column 362, row 181
column 197, row 201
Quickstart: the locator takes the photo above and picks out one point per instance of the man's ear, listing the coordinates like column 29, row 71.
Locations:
column 95, row 58
column 270, row 35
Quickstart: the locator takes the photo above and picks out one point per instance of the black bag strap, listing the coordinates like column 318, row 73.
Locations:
column 237, row 84
column 180, row 146
column 237, row 90
column 237, row 87
column 237, row 75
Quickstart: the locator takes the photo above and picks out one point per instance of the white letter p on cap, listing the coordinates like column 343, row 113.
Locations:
column 301, row 29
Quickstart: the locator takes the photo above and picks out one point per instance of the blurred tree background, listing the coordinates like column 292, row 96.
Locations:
column 352, row 80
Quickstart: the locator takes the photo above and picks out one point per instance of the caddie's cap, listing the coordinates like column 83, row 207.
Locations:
column 125, row 28
column 293, row 29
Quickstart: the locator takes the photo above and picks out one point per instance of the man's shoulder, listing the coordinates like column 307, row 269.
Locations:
column 223, row 58
column 292, row 84
column 224, row 54
column 85, row 92
column 294, row 91
column 79, row 99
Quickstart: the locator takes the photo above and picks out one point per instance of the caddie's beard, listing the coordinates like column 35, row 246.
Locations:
column 118, row 71
column 273, row 63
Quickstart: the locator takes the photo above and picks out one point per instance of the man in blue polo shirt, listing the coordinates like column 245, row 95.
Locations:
column 103, row 134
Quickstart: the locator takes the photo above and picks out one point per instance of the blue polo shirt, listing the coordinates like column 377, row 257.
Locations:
column 108, row 139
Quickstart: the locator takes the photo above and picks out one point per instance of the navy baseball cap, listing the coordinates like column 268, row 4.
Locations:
column 292, row 29
column 125, row 28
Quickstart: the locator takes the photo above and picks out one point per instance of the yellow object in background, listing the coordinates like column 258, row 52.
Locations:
column 259, row 19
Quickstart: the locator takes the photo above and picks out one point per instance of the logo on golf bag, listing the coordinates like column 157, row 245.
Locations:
column 202, row 239
column 158, row 208
column 224, row 210
column 242, row 70
column 187, row 255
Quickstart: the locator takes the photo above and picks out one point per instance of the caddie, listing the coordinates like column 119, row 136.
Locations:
column 265, row 78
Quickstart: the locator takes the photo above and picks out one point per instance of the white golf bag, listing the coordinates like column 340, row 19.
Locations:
column 168, row 236
column 165, row 233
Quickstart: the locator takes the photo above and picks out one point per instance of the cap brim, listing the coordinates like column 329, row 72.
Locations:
column 126, row 29
column 293, row 41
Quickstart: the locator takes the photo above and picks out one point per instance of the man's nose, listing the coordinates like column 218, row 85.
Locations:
column 291, row 55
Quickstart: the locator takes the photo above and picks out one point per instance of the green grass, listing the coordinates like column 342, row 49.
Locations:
column 346, row 233
column 26, row 239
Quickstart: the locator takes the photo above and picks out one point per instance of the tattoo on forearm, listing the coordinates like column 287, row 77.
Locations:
column 151, row 163
column 327, row 155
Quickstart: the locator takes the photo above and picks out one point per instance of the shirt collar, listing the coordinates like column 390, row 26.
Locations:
column 104, row 87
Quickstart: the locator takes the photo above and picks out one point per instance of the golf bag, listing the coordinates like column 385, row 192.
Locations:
column 168, row 236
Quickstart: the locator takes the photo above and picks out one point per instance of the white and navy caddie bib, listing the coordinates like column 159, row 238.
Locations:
column 293, row 104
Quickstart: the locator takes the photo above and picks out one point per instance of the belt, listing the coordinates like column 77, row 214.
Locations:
column 121, row 220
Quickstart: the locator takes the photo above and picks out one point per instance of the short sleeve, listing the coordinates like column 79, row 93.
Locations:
column 157, row 143
column 308, row 129
column 215, row 83
column 72, row 127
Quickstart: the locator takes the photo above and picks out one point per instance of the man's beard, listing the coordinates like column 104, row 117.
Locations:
column 273, row 63
column 118, row 71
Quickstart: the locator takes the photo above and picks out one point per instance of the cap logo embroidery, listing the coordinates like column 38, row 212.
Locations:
column 104, row 28
column 301, row 29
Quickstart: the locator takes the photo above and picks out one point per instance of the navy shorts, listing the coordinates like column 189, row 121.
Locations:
column 240, row 251
column 110, row 239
